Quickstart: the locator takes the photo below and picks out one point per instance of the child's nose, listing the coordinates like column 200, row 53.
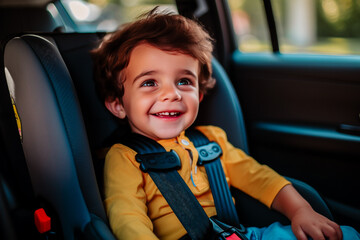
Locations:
column 170, row 93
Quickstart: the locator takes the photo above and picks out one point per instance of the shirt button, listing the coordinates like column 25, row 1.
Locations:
column 186, row 143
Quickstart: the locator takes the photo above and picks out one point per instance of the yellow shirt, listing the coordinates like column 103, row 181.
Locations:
column 135, row 206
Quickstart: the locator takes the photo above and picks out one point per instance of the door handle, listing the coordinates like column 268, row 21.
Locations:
column 349, row 129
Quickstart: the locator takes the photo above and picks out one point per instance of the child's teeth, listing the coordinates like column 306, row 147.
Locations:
column 167, row 114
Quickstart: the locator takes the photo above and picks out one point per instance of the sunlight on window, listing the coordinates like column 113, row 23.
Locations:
column 108, row 15
column 79, row 10
column 84, row 11
column 331, row 10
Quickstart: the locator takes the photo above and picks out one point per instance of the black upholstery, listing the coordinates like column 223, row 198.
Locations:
column 64, row 125
column 75, row 50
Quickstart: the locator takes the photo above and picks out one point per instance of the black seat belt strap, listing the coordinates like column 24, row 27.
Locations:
column 162, row 167
column 209, row 156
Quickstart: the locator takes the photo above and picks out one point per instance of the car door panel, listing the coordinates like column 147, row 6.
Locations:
column 302, row 118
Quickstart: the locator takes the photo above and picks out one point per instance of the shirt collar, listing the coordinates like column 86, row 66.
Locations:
column 173, row 140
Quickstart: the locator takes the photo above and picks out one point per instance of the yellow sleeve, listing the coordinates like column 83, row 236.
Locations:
column 244, row 172
column 125, row 199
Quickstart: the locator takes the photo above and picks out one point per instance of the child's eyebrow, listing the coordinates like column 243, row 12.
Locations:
column 182, row 71
column 188, row 72
column 143, row 74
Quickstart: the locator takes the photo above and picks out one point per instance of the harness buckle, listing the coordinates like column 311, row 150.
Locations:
column 233, row 237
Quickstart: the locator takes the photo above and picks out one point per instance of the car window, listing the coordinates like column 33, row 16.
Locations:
column 303, row 26
column 250, row 26
column 103, row 15
column 318, row 26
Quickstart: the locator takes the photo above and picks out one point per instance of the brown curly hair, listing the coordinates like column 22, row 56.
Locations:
column 166, row 31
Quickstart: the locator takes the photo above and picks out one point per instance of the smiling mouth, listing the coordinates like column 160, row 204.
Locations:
column 167, row 114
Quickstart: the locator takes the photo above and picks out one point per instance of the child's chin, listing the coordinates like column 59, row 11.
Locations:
column 168, row 134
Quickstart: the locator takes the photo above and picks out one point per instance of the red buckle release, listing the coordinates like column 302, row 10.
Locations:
column 233, row 237
column 42, row 221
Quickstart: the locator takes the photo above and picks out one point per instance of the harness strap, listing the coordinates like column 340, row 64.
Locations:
column 209, row 156
column 171, row 185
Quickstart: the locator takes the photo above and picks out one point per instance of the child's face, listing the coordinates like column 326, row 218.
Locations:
column 161, row 92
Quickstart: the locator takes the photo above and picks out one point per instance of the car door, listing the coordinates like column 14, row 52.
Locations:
column 301, row 107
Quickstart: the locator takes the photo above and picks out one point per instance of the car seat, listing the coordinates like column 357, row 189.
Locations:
column 66, row 130
column 53, row 135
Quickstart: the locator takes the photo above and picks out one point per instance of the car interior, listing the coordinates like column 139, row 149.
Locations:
column 52, row 150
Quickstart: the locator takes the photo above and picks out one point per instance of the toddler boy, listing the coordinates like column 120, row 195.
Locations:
column 154, row 73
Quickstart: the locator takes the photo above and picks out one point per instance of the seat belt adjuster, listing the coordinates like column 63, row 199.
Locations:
column 208, row 153
column 158, row 161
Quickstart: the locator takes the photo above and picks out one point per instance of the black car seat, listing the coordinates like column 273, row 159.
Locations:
column 66, row 130
column 15, row 188
column 53, row 134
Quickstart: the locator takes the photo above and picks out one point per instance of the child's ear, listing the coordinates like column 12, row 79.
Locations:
column 116, row 108
column 201, row 96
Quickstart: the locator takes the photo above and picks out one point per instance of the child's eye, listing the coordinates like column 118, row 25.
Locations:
column 148, row 83
column 184, row 81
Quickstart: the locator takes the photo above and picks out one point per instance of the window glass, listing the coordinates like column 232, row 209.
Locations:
column 318, row 26
column 250, row 25
column 108, row 15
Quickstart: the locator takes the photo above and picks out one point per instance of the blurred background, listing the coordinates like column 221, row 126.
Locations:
column 304, row 26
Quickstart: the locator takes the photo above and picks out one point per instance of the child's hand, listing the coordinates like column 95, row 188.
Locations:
column 308, row 223
column 305, row 222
